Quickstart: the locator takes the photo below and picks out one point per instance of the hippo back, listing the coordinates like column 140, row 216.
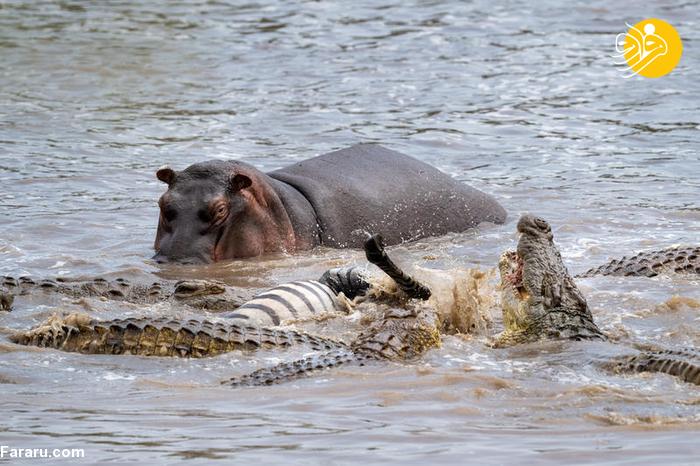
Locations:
column 368, row 187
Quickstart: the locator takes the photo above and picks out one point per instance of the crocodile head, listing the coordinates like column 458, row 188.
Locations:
column 527, row 273
column 185, row 289
column 538, row 296
column 210, row 294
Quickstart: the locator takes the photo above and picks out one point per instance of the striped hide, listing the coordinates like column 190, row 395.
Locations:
column 301, row 300
column 351, row 281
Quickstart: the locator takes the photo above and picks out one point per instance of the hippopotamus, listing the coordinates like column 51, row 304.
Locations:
column 226, row 209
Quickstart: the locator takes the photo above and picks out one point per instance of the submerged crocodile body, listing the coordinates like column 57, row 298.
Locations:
column 162, row 336
column 296, row 301
column 399, row 335
column 203, row 294
column 541, row 301
column 539, row 297
column 245, row 328
column 684, row 364
column 216, row 296
column 678, row 260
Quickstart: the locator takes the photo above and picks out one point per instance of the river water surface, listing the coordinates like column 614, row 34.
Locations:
column 519, row 99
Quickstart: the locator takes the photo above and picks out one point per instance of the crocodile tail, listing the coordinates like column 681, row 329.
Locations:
column 682, row 260
column 374, row 250
column 683, row 364
column 292, row 370
column 621, row 267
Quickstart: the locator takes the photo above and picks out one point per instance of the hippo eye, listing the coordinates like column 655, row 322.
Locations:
column 219, row 211
column 169, row 214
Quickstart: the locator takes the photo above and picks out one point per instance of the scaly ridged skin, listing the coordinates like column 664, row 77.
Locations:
column 288, row 371
column 683, row 364
column 541, row 301
column 556, row 324
column 400, row 335
column 204, row 294
column 162, row 337
column 681, row 260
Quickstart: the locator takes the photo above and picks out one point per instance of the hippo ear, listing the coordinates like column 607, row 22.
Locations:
column 238, row 182
column 166, row 174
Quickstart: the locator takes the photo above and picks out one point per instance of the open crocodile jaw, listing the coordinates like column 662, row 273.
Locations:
column 514, row 296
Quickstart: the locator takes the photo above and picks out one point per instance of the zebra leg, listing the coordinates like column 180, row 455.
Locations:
column 374, row 250
column 348, row 280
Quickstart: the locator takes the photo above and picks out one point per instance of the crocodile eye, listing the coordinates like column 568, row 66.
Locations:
column 541, row 223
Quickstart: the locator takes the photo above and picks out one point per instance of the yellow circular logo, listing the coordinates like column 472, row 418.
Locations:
column 651, row 48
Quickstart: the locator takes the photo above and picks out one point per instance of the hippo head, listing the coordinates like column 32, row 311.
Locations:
column 211, row 211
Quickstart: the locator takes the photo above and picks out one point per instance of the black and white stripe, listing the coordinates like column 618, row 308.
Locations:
column 351, row 281
column 299, row 300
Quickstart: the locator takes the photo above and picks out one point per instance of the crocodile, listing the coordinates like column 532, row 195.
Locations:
column 400, row 334
column 298, row 300
column 162, row 336
column 539, row 297
column 216, row 296
column 541, row 301
column 204, row 294
column 246, row 327
column 684, row 364
column 294, row 301
column 673, row 260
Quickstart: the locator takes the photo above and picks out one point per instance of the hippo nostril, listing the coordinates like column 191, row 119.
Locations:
column 192, row 261
column 188, row 260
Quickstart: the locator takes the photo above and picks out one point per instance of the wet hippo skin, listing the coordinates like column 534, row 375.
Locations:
column 221, row 210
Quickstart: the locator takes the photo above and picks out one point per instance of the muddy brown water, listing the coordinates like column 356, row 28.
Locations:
column 519, row 99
